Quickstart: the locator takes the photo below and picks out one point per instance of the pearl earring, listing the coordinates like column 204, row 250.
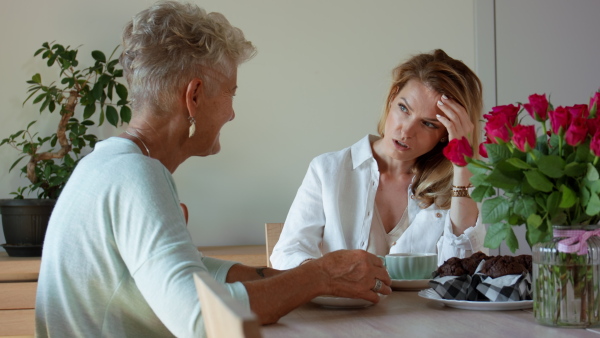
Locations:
column 192, row 126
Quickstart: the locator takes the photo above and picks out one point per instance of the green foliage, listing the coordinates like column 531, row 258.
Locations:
column 553, row 184
column 78, row 97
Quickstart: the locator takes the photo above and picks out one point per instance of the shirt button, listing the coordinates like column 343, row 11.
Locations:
column 438, row 215
column 362, row 243
column 412, row 197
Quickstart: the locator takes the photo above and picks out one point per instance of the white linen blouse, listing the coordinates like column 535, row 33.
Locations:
column 333, row 210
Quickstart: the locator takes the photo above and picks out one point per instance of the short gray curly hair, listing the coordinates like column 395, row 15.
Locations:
column 168, row 44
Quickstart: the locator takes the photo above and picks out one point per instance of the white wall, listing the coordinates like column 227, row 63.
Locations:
column 317, row 85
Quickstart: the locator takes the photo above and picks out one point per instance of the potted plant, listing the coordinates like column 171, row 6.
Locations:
column 80, row 96
column 548, row 182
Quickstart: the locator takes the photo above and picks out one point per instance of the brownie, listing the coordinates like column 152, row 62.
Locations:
column 461, row 266
column 451, row 267
column 526, row 261
column 498, row 266
column 470, row 264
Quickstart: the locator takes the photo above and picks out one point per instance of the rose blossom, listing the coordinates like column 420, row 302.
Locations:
column 577, row 131
column 537, row 107
column 483, row 149
column 499, row 122
column 456, row 150
column 594, row 103
column 559, row 120
column 579, row 110
column 593, row 125
column 523, row 137
column 595, row 144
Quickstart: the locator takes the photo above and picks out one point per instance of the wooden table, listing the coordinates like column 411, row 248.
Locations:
column 405, row 314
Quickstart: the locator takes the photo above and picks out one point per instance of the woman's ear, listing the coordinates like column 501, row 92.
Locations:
column 193, row 93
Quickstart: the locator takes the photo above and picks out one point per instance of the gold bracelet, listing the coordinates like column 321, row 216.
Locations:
column 460, row 192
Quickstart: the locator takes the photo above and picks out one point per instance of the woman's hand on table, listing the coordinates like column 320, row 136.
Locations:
column 354, row 274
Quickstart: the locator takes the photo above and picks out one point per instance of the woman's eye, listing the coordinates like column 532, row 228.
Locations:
column 430, row 125
column 403, row 107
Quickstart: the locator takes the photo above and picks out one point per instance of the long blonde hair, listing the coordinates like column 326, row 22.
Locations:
column 451, row 77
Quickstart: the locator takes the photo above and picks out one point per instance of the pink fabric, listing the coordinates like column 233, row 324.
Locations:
column 575, row 241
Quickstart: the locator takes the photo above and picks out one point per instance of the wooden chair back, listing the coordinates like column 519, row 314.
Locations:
column 223, row 315
column 272, row 232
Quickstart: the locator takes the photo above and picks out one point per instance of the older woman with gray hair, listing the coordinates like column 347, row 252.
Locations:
column 118, row 259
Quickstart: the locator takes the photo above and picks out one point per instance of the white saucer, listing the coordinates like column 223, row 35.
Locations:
column 410, row 284
column 473, row 305
column 343, row 302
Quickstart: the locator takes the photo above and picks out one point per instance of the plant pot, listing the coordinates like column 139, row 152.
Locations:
column 24, row 222
column 566, row 285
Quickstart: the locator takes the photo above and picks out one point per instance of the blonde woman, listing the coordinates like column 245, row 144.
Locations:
column 396, row 192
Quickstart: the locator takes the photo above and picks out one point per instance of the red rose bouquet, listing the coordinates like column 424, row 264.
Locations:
column 535, row 176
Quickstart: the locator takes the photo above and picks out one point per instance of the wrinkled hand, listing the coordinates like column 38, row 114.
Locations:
column 353, row 273
column 456, row 121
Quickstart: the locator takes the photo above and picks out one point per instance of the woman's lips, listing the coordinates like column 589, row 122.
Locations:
column 400, row 145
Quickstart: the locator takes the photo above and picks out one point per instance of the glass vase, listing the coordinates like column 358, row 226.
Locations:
column 566, row 285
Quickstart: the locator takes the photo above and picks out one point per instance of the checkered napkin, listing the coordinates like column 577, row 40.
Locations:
column 457, row 287
column 506, row 288
column 480, row 287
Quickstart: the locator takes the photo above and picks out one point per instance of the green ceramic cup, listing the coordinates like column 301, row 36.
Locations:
column 411, row 265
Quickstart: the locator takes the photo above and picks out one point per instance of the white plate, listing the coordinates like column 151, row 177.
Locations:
column 472, row 305
column 342, row 302
column 410, row 284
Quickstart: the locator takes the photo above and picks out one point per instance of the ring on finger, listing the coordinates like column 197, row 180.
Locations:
column 377, row 286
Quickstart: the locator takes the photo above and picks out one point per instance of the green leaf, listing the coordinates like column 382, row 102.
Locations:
column 121, row 91
column 98, row 90
column 16, row 162
column 551, row 166
column 538, row 181
column 98, row 56
column 499, row 180
column 37, row 78
column 575, row 169
column 585, row 195
column 511, row 240
column 88, row 111
column 552, row 203
column 534, row 220
column 125, row 114
column 536, row 235
column 481, row 192
column 592, row 173
column 517, row 163
column 568, row 198
column 497, row 152
column 39, row 98
column 593, row 206
column 583, row 152
column 525, row 206
column 46, row 103
column 112, row 116
column 101, row 119
column 496, row 233
column 479, row 179
column 494, row 210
